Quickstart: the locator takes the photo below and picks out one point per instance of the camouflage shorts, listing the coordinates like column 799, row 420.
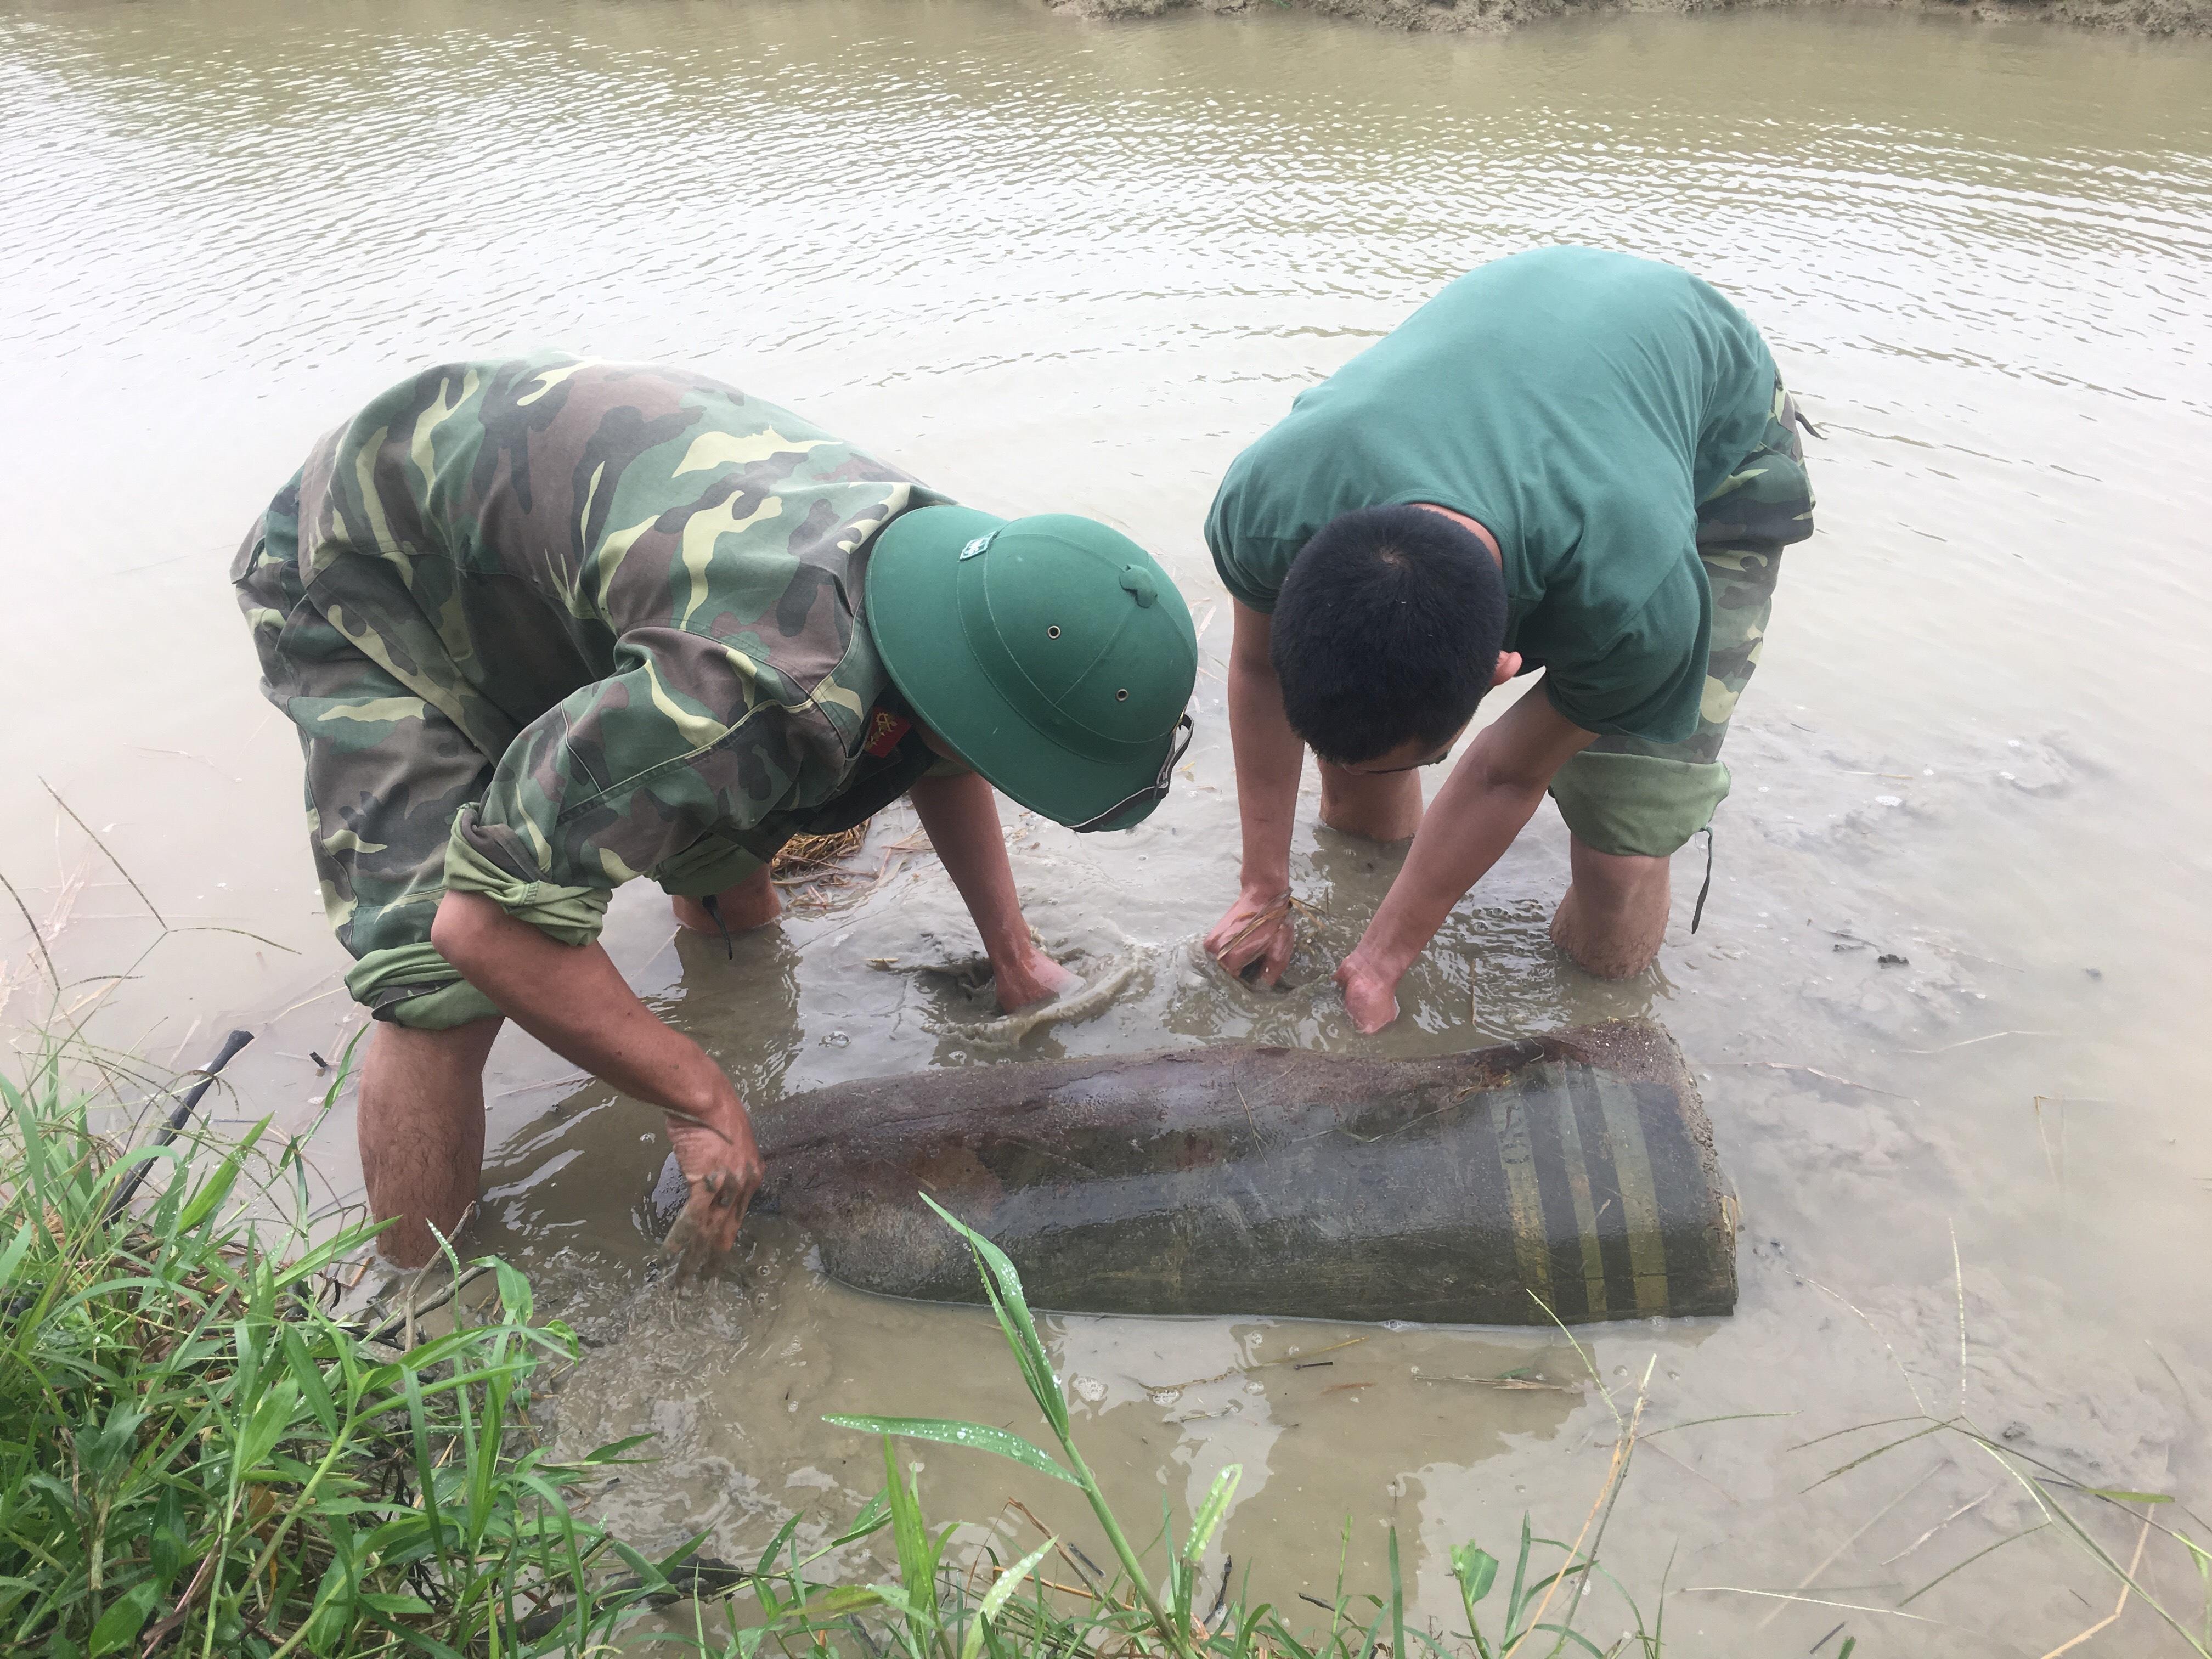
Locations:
column 1628, row 795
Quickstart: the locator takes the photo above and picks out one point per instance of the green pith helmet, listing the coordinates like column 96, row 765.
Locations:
column 1051, row 652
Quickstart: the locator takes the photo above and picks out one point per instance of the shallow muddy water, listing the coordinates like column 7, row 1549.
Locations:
column 1052, row 265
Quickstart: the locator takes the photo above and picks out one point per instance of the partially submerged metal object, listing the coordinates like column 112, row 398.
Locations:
column 1577, row 1166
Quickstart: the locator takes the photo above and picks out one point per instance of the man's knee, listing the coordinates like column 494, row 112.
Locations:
column 427, row 1062
column 1612, row 919
column 1616, row 878
column 752, row 902
column 1381, row 806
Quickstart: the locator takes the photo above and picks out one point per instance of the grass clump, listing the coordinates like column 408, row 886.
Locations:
column 195, row 1457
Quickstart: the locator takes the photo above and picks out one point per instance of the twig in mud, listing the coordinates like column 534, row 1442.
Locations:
column 304, row 1001
column 2056, row 1165
column 1509, row 1384
column 1829, row 1560
column 181, row 754
column 1829, row 1077
column 1971, row 1041
column 1809, row 1600
column 178, row 1614
column 131, row 880
column 1958, row 1277
column 1918, row 1403
column 1972, row 1503
column 1292, row 1359
column 2186, row 1405
column 37, row 938
column 1623, row 1449
column 1081, row 1572
column 2010, row 1538
column 2127, row 1585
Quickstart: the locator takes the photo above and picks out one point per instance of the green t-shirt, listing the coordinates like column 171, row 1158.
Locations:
column 1578, row 405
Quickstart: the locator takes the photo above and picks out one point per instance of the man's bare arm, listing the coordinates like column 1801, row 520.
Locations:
column 1269, row 758
column 573, row 999
column 1491, row 793
column 961, row 813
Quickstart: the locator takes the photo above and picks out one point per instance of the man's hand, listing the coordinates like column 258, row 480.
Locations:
column 1370, row 994
column 1493, row 792
column 961, row 813
column 721, row 1164
column 1269, row 756
column 1258, row 928
column 572, row 999
column 1030, row 978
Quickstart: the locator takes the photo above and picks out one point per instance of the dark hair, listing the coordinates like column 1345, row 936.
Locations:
column 1388, row 629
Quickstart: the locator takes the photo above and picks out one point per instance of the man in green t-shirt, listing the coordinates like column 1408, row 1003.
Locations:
column 1570, row 459
column 545, row 625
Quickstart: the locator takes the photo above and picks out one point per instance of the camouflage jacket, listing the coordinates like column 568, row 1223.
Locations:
column 636, row 589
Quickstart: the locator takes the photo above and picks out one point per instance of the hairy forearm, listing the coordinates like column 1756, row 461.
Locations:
column 961, row 814
column 1467, row 829
column 573, row 999
column 1269, row 758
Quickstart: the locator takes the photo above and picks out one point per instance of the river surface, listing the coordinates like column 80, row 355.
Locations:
column 1050, row 265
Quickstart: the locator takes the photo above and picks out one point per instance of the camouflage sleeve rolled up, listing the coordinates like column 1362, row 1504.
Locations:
column 631, row 590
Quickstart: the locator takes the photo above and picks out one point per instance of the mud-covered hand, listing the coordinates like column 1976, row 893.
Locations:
column 1257, row 928
column 1028, row 977
column 721, row 1164
column 1371, row 995
column 961, row 813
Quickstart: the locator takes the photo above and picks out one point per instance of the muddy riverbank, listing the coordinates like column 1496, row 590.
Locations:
column 2150, row 17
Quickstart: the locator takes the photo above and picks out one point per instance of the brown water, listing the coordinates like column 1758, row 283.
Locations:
column 1049, row 265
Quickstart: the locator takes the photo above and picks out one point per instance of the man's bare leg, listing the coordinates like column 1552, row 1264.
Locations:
column 1380, row 806
column 1613, row 918
column 753, row 902
column 422, row 1129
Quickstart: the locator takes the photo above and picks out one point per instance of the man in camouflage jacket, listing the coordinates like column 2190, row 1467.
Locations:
column 546, row 625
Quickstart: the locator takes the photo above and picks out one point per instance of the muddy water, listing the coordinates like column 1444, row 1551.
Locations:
column 1052, row 265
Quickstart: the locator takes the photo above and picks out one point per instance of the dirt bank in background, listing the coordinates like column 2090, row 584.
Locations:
column 1495, row 16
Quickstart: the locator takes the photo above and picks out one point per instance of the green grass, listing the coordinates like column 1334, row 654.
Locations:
column 196, row 1456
